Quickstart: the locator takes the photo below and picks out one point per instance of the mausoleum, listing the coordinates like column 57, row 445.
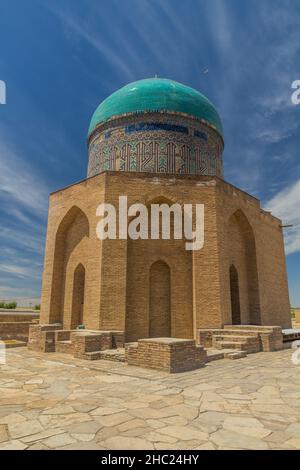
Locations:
column 157, row 141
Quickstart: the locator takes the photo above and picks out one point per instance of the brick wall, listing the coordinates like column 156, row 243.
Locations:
column 266, row 259
column 167, row 354
column 118, row 272
column 18, row 316
column 15, row 330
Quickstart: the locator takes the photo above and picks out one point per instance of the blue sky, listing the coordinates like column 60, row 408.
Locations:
column 61, row 58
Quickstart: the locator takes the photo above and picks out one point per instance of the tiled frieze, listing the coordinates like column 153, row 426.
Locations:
column 156, row 144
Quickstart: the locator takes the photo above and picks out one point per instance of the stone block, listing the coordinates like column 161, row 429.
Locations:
column 42, row 337
column 168, row 354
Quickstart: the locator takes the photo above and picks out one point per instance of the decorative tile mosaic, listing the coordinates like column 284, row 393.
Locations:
column 168, row 145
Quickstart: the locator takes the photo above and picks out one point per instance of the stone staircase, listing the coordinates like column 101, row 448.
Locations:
column 63, row 343
column 217, row 354
column 233, row 340
column 243, row 338
column 171, row 354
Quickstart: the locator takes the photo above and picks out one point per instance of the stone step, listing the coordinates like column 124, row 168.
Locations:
column 214, row 355
column 115, row 355
column 240, row 345
column 91, row 356
column 65, row 346
column 249, row 333
column 217, row 354
column 257, row 328
column 235, row 355
column 14, row 343
column 234, row 332
column 235, row 337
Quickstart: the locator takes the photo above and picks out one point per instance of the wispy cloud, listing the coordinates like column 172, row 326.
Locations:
column 19, row 182
column 84, row 29
column 21, row 271
column 21, row 238
column 251, row 52
column 24, row 296
column 24, row 201
column 285, row 205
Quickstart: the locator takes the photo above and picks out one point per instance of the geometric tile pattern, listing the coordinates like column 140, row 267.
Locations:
column 156, row 144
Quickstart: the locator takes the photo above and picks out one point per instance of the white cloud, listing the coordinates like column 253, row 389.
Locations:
column 33, row 242
column 85, row 30
column 25, row 297
column 24, row 201
column 20, row 271
column 19, row 182
column 286, row 206
column 273, row 136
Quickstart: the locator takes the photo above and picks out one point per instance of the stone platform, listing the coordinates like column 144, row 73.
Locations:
column 167, row 354
column 83, row 344
column 55, row 401
column 247, row 338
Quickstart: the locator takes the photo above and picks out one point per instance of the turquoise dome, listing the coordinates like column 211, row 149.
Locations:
column 156, row 94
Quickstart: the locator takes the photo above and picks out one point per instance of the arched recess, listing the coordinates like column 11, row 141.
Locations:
column 159, row 300
column 78, row 296
column 235, row 296
column 142, row 254
column 72, row 229
column 242, row 255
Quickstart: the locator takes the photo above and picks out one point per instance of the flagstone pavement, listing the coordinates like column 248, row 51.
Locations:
column 53, row 401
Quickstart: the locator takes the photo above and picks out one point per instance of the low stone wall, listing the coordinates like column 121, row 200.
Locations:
column 15, row 330
column 81, row 343
column 166, row 354
column 90, row 342
column 18, row 316
column 270, row 337
column 42, row 337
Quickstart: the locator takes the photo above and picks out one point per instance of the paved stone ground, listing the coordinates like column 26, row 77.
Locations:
column 52, row 401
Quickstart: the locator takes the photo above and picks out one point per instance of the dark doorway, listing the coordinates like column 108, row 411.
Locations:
column 160, row 301
column 78, row 296
column 235, row 296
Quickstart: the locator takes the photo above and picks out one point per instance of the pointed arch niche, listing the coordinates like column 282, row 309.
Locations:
column 242, row 271
column 72, row 230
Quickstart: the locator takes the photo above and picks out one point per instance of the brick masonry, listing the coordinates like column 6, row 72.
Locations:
column 118, row 272
column 15, row 330
column 42, row 337
column 18, row 316
column 255, row 338
column 51, row 338
column 167, row 354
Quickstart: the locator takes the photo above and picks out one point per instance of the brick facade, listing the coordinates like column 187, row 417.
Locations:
column 194, row 286
column 166, row 354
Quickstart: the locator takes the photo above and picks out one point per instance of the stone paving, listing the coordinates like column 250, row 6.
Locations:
column 53, row 401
